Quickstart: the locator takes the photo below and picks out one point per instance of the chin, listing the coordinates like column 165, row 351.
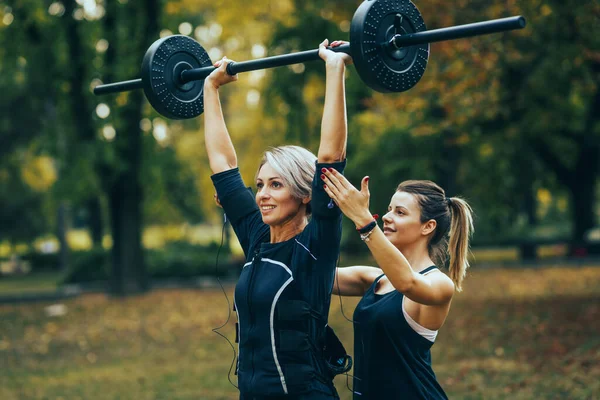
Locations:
column 270, row 220
column 396, row 241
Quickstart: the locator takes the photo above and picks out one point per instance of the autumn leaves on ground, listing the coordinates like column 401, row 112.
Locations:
column 512, row 334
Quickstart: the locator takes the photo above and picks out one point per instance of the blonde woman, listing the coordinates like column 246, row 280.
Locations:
column 290, row 233
column 406, row 300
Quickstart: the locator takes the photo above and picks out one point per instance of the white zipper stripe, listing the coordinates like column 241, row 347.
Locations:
column 306, row 248
column 273, row 332
column 278, row 263
column 272, row 317
column 239, row 331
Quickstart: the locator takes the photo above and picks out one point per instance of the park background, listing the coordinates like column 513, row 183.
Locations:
column 110, row 238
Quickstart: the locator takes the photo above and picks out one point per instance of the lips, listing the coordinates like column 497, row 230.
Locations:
column 388, row 230
column 267, row 207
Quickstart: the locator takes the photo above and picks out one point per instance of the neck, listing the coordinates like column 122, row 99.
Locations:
column 417, row 255
column 288, row 229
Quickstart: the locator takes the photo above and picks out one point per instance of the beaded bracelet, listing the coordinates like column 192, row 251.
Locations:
column 365, row 236
column 368, row 229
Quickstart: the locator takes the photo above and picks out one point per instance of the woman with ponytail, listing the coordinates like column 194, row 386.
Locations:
column 406, row 299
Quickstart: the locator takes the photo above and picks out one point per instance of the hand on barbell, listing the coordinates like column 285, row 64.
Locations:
column 219, row 76
column 331, row 56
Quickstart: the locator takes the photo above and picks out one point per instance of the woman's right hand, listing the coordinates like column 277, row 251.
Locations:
column 331, row 56
column 219, row 76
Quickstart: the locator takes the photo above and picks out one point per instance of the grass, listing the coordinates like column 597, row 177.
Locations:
column 512, row 334
column 38, row 282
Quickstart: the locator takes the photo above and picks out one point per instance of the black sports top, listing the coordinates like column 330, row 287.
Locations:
column 392, row 361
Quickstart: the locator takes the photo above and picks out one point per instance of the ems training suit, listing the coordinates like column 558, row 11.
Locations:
column 283, row 294
column 392, row 360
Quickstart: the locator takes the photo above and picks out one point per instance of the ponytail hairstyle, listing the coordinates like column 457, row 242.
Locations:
column 454, row 219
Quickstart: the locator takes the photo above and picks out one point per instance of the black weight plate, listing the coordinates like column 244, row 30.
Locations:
column 384, row 68
column 161, row 67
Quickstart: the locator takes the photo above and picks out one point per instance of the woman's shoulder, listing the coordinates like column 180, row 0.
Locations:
column 439, row 279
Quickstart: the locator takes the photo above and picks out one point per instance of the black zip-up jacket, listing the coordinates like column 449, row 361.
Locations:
column 283, row 294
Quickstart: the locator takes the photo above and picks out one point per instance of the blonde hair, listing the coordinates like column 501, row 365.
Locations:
column 296, row 167
column 454, row 219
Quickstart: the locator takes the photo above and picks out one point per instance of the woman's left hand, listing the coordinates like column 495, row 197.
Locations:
column 353, row 203
column 331, row 57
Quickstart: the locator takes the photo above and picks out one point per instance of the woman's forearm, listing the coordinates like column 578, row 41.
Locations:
column 393, row 263
column 220, row 150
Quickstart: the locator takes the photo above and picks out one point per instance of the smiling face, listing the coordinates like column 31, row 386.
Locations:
column 277, row 205
column 402, row 224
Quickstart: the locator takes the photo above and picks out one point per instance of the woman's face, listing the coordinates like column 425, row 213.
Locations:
column 276, row 203
column 402, row 223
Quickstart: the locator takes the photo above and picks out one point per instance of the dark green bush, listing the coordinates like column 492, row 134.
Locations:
column 177, row 260
column 88, row 266
column 42, row 261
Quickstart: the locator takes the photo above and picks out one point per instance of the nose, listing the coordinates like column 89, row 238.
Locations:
column 263, row 193
column 386, row 218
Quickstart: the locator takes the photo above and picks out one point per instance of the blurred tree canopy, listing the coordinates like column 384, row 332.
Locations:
column 509, row 121
column 500, row 119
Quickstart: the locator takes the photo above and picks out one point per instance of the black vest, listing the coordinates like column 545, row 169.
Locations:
column 392, row 361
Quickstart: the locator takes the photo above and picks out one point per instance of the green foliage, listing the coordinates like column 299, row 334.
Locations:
column 88, row 266
column 42, row 261
column 21, row 211
column 177, row 260
column 174, row 195
column 495, row 119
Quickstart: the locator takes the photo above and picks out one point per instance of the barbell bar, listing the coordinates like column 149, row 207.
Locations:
column 389, row 45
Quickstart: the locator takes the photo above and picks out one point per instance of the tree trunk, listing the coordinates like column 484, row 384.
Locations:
column 95, row 224
column 125, row 198
column 61, row 232
column 81, row 111
column 446, row 165
column 128, row 272
column 128, row 268
column 583, row 196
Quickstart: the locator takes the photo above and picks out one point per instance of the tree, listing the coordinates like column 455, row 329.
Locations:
column 27, row 118
column 129, row 29
column 550, row 97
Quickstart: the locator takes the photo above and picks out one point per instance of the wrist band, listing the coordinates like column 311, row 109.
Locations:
column 368, row 227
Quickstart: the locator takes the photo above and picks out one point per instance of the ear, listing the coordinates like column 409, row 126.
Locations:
column 428, row 227
column 306, row 200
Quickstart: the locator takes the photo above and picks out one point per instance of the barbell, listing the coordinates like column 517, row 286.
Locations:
column 389, row 45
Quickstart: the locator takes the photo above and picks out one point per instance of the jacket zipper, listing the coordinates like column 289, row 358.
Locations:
column 250, row 314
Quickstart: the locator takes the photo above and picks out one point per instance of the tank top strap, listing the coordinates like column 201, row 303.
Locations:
column 428, row 269
column 374, row 284
column 378, row 278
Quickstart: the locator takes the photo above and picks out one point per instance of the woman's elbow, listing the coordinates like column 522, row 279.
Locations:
column 221, row 164
column 404, row 285
column 331, row 157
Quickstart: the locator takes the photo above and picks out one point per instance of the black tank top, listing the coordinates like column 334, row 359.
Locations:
column 392, row 361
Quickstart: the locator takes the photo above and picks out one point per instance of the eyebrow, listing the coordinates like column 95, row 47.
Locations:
column 270, row 179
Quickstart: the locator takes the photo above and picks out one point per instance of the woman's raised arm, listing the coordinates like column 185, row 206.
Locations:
column 220, row 150
column 334, row 125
